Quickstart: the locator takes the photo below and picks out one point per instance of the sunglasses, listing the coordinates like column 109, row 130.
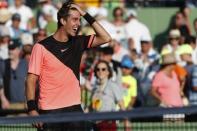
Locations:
column 176, row 38
column 101, row 69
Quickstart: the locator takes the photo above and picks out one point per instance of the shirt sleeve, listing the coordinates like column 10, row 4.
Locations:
column 86, row 41
column 134, row 88
column 36, row 59
column 117, row 92
column 156, row 83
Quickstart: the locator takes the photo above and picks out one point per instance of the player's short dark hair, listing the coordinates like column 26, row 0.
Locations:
column 64, row 11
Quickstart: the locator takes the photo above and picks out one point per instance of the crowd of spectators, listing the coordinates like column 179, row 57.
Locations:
column 127, row 73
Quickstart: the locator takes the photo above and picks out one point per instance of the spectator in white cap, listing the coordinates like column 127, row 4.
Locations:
column 27, row 45
column 26, row 39
column 42, row 22
column 185, row 52
column 51, row 25
column 174, row 43
column 174, row 38
column 147, row 51
column 135, row 30
column 147, row 66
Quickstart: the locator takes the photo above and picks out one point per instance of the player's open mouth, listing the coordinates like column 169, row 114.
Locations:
column 75, row 29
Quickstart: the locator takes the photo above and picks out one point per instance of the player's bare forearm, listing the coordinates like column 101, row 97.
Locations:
column 102, row 36
column 31, row 86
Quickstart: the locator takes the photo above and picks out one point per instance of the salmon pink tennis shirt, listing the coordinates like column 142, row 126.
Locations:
column 57, row 65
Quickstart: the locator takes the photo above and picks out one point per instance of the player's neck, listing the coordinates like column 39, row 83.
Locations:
column 61, row 36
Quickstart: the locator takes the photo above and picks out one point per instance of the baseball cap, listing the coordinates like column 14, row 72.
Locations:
column 26, row 38
column 168, row 59
column 47, row 10
column 131, row 13
column 146, row 39
column 174, row 33
column 16, row 16
column 14, row 44
column 127, row 62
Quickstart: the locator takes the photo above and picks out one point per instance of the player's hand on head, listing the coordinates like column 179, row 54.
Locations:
column 82, row 13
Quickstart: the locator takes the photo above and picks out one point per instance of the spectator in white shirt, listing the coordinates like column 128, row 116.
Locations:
column 135, row 30
column 25, row 13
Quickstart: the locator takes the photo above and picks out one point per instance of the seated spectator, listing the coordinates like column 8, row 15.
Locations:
column 40, row 16
column 135, row 30
column 14, row 76
column 14, row 29
column 25, row 12
column 129, row 83
column 106, row 94
column 191, row 40
column 174, row 43
column 26, row 39
column 26, row 52
column 51, row 24
column 147, row 66
column 185, row 52
column 119, row 25
column 174, row 40
column 165, row 86
column 106, row 54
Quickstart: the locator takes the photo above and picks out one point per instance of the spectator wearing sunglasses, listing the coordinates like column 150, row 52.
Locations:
column 14, row 75
column 106, row 94
column 174, row 43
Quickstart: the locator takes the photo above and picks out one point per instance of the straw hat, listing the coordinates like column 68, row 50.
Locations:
column 168, row 59
column 174, row 33
column 4, row 15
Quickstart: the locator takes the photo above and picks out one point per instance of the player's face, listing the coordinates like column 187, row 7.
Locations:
column 73, row 23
